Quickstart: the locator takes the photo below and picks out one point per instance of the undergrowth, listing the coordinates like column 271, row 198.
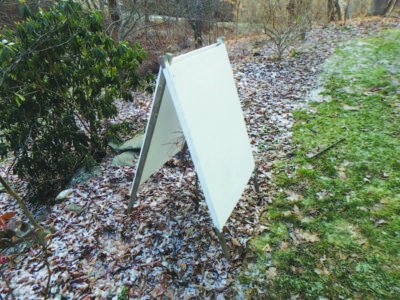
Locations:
column 334, row 227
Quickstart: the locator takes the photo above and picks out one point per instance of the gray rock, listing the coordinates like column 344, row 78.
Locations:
column 41, row 213
column 114, row 146
column 63, row 195
column 134, row 144
column 81, row 176
column 124, row 159
column 74, row 208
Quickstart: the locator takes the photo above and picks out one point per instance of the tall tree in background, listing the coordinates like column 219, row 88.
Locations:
column 115, row 17
column 331, row 8
column 133, row 16
column 112, row 6
column 237, row 4
column 193, row 14
column 340, row 8
column 201, row 16
column 382, row 7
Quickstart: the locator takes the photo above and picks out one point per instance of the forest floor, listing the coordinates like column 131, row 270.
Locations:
column 165, row 247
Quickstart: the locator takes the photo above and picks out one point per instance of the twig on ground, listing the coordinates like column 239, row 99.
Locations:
column 327, row 148
column 46, row 262
column 7, row 282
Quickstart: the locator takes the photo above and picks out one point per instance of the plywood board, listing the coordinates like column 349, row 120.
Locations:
column 163, row 139
column 203, row 91
column 167, row 139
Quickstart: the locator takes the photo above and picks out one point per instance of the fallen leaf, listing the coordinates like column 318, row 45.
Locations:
column 267, row 248
column 306, row 236
column 8, row 215
column 236, row 243
column 284, row 245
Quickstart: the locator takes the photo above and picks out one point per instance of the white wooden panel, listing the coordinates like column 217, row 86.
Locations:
column 167, row 139
column 207, row 104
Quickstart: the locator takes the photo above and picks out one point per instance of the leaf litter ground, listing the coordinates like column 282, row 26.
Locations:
column 166, row 248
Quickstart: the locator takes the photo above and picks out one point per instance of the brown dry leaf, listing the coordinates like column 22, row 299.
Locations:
column 262, row 228
column 384, row 175
column 322, row 271
column 351, row 108
column 180, row 269
column 189, row 296
column 271, row 273
column 381, row 222
column 342, row 170
column 170, row 294
column 284, row 245
column 88, row 297
column 182, row 265
column 293, row 196
column 158, row 291
column 371, row 91
column 289, row 213
column 296, row 270
column 306, row 236
column 306, row 219
column 236, row 243
column 267, row 248
column 343, row 256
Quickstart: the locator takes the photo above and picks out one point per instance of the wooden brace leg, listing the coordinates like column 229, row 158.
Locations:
column 196, row 199
column 223, row 244
column 255, row 183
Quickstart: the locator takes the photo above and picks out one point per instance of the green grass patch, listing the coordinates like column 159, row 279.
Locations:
column 334, row 229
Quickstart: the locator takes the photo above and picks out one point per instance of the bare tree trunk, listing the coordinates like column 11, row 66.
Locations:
column 198, row 35
column 382, row 7
column 112, row 6
column 146, row 12
column 193, row 14
column 343, row 10
column 331, row 10
column 340, row 8
column 237, row 11
column 291, row 6
column 115, row 18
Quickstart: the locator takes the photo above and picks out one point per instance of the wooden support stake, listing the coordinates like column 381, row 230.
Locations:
column 149, row 133
column 197, row 194
column 255, row 182
column 223, row 244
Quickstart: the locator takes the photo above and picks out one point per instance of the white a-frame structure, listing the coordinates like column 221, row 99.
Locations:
column 196, row 100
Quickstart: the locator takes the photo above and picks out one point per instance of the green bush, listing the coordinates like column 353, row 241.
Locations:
column 59, row 76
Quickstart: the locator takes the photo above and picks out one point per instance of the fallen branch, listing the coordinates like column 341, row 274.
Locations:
column 7, row 282
column 327, row 148
column 40, row 232
column 20, row 202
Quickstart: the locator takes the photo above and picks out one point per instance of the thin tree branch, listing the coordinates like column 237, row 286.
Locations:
column 20, row 202
column 7, row 282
